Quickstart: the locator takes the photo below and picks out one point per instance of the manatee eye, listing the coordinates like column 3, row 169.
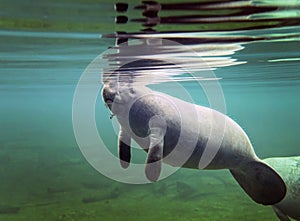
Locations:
column 131, row 90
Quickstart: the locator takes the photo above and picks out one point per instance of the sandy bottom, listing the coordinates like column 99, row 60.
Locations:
column 67, row 188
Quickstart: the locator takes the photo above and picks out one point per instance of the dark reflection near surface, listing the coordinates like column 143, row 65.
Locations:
column 198, row 36
column 215, row 15
column 154, row 60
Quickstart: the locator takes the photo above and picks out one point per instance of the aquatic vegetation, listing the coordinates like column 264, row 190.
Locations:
column 184, row 191
column 7, row 209
column 113, row 194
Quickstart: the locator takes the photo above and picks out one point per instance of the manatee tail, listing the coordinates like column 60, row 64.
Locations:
column 260, row 182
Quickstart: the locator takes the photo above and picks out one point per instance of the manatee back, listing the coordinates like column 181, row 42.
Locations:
column 153, row 106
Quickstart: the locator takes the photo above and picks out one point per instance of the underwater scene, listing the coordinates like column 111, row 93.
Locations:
column 70, row 69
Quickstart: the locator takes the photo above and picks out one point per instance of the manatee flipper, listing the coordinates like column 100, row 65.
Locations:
column 155, row 154
column 260, row 182
column 124, row 142
column 280, row 214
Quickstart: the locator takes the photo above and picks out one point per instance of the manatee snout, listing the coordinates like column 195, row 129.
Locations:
column 108, row 95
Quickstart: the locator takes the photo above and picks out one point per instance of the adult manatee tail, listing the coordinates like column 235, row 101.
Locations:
column 263, row 184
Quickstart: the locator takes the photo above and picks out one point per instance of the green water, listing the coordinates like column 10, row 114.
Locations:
column 43, row 174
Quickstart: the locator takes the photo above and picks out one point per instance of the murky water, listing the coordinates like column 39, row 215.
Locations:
column 46, row 46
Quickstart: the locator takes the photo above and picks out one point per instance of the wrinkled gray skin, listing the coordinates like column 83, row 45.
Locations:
column 183, row 134
column 289, row 169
